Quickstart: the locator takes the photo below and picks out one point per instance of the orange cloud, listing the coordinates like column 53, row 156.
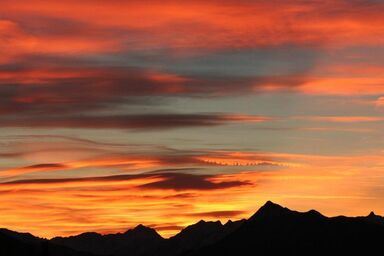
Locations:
column 344, row 119
column 343, row 86
column 380, row 102
column 181, row 25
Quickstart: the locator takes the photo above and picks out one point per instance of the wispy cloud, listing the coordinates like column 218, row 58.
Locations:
column 343, row 119
column 140, row 121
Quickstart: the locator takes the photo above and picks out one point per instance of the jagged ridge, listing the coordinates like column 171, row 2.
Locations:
column 272, row 230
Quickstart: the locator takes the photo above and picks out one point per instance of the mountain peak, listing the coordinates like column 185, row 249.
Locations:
column 201, row 229
column 141, row 227
column 203, row 225
column 142, row 231
column 270, row 209
column 373, row 217
column 315, row 213
column 271, row 204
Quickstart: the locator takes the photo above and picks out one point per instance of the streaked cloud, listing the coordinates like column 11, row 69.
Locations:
column 192, row 182
column 160, row 180
column 344, row 119
column 218, row 214
column 140, row 121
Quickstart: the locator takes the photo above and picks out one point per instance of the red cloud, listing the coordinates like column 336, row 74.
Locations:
column 178, row 24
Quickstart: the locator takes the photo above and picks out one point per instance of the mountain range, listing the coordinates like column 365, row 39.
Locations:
column 272, row 230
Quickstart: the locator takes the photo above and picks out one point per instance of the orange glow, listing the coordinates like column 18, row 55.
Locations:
column 102, row 203
column 107, row 205
column 120, row 200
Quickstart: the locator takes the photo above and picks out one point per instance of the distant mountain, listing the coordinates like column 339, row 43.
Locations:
column 195, row 237
column 137, row 241
column 24, row 244
column 373, row 218
column 144, row 241
column 272, row 230
column 275, row 230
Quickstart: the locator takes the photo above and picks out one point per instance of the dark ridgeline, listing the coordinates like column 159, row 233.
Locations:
column 272, row 230
column 137, row 241
column 25, row 244
column 195, row 237
column 144, row 241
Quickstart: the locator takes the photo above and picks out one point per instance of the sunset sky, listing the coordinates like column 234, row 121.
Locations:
column 115, row 113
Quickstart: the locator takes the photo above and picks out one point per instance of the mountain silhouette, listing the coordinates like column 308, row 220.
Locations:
column 24, row 244
column 146, row 241
column 195, row 237
column 373, row 218
column 275, row 230
column 272, row 230
column 137, row 241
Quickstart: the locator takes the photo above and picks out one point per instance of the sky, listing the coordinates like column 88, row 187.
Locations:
column 118, row 113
